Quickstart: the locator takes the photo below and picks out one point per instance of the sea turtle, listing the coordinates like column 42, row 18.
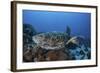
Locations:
column 47, row 44
column 50, row 40
column 75, row 46
column 55, row 40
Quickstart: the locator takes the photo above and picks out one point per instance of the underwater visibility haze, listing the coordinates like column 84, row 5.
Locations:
column 52, row 26
column 46, row 21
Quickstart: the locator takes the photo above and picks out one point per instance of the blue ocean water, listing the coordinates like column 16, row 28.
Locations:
column 46, row 21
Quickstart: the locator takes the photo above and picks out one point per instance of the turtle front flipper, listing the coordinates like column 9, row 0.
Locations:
column 76, row 41
column 68, row 31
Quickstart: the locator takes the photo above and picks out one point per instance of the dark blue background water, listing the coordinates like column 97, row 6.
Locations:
column 46, row 21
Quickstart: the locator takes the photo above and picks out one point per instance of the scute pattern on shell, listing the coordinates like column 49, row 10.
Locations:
column 51, row 40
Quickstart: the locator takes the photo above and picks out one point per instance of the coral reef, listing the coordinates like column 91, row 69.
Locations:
column 28, row 43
